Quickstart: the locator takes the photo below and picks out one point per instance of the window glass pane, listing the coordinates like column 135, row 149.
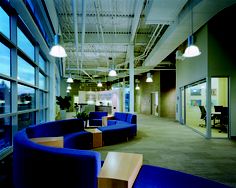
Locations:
column 42, row 100
column 42, row 116
column 24, row 44
column 25, row 71
column 26, row 97
column 4, row 59
column 42, row 81
column 5, row 96
column 4, row 23
column 5, row 132
column 42, row 63
column 26, row 119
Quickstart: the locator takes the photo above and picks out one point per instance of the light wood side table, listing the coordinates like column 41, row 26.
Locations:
column 120, row 170
column 50, row 141
column 104, row 120
column 97, row 137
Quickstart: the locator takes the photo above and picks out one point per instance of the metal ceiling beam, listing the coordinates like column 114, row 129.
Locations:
column 137, row 14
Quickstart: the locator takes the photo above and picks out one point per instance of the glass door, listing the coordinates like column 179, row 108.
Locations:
column 195, row 106
column 219, row 107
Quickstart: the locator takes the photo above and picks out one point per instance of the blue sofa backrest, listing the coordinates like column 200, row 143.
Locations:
column 120, row 116
column 97, row 115
column 131, row 118
column 55, row 128
column 36, row 166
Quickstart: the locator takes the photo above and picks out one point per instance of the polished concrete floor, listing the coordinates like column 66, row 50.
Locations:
column 166, row 143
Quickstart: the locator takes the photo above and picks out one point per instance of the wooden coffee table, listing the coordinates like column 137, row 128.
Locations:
column 97, row 137
column 120, row 170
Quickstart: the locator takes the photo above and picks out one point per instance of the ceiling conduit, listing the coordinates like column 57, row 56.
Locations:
column 76, row 35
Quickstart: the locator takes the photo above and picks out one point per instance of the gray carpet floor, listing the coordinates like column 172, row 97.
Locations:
column 165, row 143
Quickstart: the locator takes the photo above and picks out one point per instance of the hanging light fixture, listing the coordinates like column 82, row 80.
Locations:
column 69, row 79
column 112, row 71
column 99, row 83
column 57, row 50
column 67, row 91
column 149, row 77
column 192, row 50
column 137, row 87
column 68, row 87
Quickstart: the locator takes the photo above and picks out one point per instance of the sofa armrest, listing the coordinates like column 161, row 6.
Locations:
column 105, row 119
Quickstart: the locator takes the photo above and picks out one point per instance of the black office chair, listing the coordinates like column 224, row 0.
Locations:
column 224, row 120
column 203, row 115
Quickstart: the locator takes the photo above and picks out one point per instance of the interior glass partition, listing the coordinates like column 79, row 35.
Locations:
column 195, row 106
column 219, row 107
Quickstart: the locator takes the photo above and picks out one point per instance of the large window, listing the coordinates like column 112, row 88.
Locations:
column 5, row 132
column 4, row 59
column 26, row 71
column 4, row 23
column 24, row 44
column 26, row 97
column 5, row 96
column 23, row 78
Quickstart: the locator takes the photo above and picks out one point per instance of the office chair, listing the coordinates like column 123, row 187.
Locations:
column 203, row 115
column 224, row 120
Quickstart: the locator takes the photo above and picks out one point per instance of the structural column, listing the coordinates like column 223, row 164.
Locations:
column 131, row 78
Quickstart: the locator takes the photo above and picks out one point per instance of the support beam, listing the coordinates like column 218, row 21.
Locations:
column 137, row 14
column 131, row 78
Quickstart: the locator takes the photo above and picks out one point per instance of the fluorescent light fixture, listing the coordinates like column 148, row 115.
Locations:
column 149, row 77
column 137, row 87
column 57, row 50
column 192, row 50
column 99, row 84
column 112, row 73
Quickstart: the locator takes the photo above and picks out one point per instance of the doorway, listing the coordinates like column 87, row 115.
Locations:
column 154, row 103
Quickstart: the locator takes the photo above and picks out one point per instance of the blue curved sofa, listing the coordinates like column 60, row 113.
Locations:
column 95, row 118
column 120, row 127
column 37, row 166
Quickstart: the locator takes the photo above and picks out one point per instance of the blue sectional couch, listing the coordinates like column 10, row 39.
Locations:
column 37, row 166
column 120, row 127
column 95, row 118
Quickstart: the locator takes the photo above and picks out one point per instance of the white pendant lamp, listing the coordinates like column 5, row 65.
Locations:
column 137, row 87
column 68, row 87
column 149, row 78
column 69, row 79
column 99, row 84
column 112, row 73
column 192, row 50
column 57, row 50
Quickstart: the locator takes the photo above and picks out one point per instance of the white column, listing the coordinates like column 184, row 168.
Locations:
column 123, row 88
column 131, row 78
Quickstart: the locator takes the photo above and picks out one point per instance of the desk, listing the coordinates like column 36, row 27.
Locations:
column 97, row 137
column 120, row 170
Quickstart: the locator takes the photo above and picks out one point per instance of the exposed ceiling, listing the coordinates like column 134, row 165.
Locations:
column 94, row 30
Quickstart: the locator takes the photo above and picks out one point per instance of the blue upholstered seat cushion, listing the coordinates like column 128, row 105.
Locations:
column 55, row 128
column 157, row 177
column 131, row 118
column 95, row 122
column 97, row 115
column 120, row 116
